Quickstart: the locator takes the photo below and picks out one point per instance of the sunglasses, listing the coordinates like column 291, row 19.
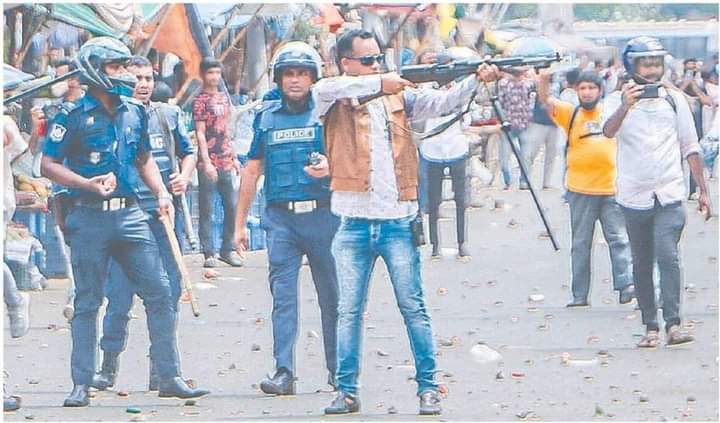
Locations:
column 370, row 60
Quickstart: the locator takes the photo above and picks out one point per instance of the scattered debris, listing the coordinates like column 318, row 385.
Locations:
column 123, row 394
column 133, row 410
column 482, row 354
column 255, row 348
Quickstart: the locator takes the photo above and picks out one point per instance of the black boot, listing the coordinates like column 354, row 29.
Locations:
column 176, row 387
column 283, row 383
column 108, row 372
column 344, row 403
column 154, row 380
column 78, row 397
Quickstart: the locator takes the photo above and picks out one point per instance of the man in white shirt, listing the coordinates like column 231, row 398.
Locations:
column 655, row 132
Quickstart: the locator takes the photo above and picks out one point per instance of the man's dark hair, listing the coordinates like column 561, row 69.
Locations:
column 343, row 46
column 209, row 63
column 65, row 62
column 707, row 74
column 139, row 61
column 591, row 77
column 162, row 92
column 572, row 76
column 688, row 60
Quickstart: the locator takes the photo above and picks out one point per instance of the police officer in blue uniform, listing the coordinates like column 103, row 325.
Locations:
column 167, row 132
column 100, row 150
column 288, row 149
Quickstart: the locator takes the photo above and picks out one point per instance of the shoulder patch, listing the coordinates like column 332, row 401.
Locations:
column 57, row 132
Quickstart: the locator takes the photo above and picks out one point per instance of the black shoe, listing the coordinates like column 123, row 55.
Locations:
column 283, row 383
column 627, row 294
column 176, row 387
column 435, row 252
column 11, row 403
column 578, row 303
column 232, row 258
column 154, row 379
column 430, row 403
column 105, row 378
column 79, row 397
column 343, row 404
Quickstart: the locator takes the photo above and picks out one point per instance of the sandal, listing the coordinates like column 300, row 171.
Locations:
column 650, row 340
column 676, row 336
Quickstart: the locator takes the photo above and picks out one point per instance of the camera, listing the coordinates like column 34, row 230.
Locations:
column 650, row 91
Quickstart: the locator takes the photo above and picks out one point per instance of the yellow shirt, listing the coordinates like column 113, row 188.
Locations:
column 590, row 155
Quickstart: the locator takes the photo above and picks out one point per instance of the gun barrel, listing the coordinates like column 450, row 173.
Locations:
column 446, row 72
column 39, row 87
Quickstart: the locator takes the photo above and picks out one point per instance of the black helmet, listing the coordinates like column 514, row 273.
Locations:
column 641, row 47
column 92, row 58
column 296, row 54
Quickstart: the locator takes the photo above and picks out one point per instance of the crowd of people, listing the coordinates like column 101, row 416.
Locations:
column 351, row 166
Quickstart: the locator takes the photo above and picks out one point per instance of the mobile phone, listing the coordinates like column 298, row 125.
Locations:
column 650, row 91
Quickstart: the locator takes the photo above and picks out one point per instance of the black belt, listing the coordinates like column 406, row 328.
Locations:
column 111, row 204
column 301, row 206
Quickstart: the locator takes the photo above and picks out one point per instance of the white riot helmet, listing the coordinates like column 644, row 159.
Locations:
column 296, row 54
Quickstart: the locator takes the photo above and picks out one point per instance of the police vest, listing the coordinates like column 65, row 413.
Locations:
column 289, row 141
column 157, row 135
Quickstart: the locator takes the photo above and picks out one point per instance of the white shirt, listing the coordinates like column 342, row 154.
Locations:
column 653, row 140
column 382, row 201
column 11, row 151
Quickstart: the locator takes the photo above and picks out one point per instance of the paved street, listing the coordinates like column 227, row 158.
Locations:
column 555, row 364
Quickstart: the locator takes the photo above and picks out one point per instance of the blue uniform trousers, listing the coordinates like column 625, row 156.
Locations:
column 120, row 291
column 96, row 237
column 289, row 237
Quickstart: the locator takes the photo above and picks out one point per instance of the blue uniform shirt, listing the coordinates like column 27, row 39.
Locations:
column 92, row 142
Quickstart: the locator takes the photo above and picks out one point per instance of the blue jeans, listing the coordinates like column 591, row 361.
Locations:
column 654, row 238
column 120, row 291
column 96, row 237
column 357, row 245
column 289, row 237
column 504, row 152
column 585, row 211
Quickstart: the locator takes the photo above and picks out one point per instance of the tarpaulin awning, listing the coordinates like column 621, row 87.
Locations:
column 82, row 16
column 13, row 77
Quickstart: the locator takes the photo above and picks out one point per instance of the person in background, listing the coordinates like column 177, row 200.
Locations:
column 654, row 137
column 218, row 167
column 590, row 182
column 16, row 302
column 517, row 98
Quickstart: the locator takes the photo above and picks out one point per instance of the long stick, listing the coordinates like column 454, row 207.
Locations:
column 215, row 41
column 523, row 171
column 186, row 283
column 147, row 45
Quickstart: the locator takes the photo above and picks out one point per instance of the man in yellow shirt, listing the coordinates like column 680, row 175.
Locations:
column 590, row 182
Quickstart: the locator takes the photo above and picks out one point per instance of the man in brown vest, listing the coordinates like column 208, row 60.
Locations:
column 374, row 179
